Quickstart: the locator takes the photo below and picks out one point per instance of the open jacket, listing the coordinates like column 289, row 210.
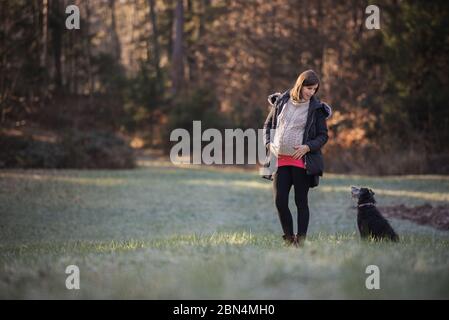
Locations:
column 315, row 133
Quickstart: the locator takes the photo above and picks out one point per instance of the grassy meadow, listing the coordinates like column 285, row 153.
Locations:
column 166, row 232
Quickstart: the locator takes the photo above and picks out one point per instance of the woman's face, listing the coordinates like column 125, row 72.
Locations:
column 308, row 91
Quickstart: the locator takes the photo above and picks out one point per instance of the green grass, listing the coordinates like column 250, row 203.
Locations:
column 161, row 232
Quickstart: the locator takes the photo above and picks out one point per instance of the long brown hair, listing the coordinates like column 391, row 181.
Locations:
column 307, row 78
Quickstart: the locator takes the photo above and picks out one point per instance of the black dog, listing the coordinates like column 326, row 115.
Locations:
column 369, row 220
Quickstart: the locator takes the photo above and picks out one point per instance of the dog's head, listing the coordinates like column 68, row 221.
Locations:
column 363, row 195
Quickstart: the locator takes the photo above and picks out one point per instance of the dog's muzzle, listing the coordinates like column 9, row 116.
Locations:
column 355, row 191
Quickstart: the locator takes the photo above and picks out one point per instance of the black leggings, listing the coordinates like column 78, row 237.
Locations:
column 285, row 177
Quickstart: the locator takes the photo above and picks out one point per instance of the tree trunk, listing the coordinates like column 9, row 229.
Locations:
column 56, row 31
column 190, row 53
column 44, row 33
column 88, row 49
column 178, row 54
column 321, row 45
column 155, row 44
column 170, row 25
column 44, row 47
column 114, row 36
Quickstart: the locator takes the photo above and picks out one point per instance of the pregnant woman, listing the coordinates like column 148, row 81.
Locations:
column 301, row 131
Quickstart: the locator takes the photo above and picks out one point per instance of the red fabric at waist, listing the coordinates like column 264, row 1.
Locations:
column 285, row 160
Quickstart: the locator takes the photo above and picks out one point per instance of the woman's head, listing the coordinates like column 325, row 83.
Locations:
column 306, row 86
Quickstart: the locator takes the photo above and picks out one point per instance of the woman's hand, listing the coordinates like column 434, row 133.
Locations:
column 300, row 151
column 273, row 150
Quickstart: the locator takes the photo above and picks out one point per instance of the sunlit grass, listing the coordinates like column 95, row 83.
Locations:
column 42, row 177
column 432, row 177
column 241, row 184
column 164, row 232
column 430, row 196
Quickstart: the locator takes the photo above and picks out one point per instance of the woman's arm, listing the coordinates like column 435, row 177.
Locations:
column 321, row 133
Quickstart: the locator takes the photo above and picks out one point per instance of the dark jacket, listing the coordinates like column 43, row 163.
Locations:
column 315, row 133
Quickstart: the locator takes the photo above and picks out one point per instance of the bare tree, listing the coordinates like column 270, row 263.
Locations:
column 44, row 33
column 56, row 25
column 87, row 43
column 155, row 42
column 178, row 54
column 114, row 36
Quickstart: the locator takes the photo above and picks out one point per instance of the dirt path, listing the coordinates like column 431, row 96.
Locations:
column 426, row 214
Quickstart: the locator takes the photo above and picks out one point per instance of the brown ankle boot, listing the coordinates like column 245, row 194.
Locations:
column 299, row 240
column 289, row 240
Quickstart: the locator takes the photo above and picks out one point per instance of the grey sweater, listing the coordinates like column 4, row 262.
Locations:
column 290, row 128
